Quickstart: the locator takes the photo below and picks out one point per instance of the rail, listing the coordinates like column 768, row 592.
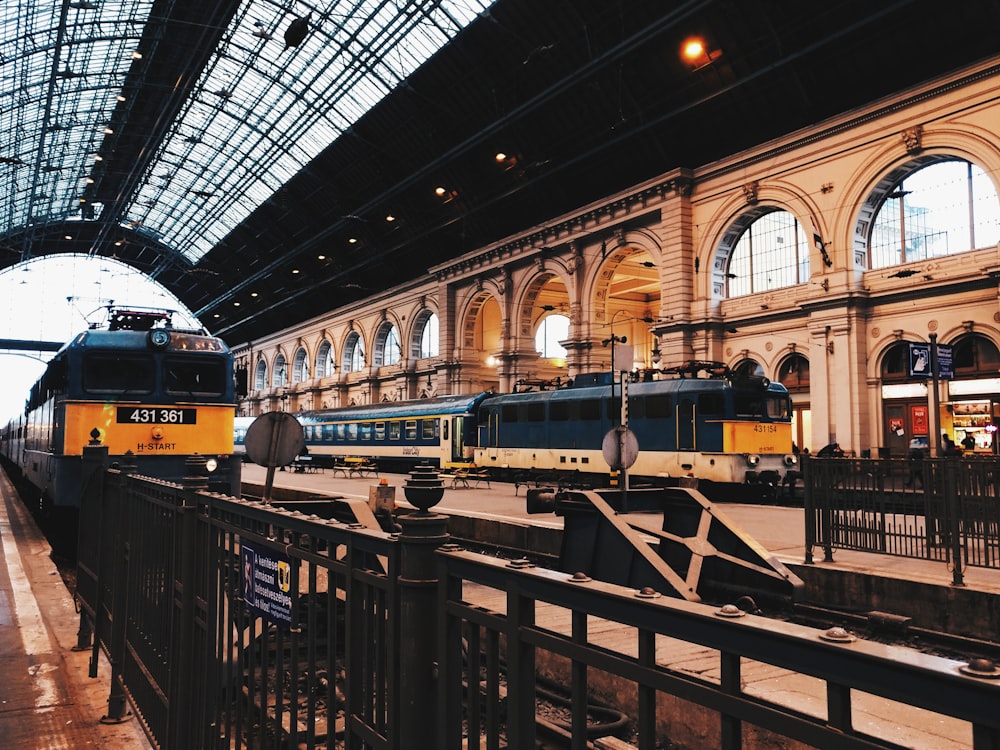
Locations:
column 940, row 509
column 230, row 623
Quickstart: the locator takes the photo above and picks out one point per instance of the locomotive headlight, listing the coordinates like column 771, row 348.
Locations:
column 791, row 459
column 753, row 459
column 211, row 465
column 158, row 338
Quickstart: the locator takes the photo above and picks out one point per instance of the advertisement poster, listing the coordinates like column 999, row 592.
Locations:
column 266, row 583
column 918, row 419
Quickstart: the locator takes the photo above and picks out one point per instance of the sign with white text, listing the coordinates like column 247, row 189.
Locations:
column 267, row 583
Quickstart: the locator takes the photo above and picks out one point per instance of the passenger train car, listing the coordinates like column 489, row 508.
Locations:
column 136, row 386
column 720, row 429
column 398, row 434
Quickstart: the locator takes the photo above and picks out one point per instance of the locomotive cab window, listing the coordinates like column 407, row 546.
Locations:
column 194, row 378
column 748, row 406
column 778, row 407
column 118, row 373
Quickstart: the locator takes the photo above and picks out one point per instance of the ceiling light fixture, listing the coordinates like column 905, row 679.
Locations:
column 696, row 53
column 136, row 55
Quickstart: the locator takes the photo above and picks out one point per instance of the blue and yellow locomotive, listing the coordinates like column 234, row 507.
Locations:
column 719, row 428
column 138, row 386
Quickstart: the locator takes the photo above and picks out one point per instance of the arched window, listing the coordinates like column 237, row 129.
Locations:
column 552, row 330
column 300, row 366
column 940, row 209
column 388, row 350
column 324, row 360
column 895, row 363
column 430, row 336
column 975, row 356
column 748, row 368
column 772, row 252
column 354, row 353
column 260, row 376
column 279, row 371
column 793, row 373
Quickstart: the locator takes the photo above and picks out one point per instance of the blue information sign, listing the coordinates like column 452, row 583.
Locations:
column 267, row 583
column 920, row 361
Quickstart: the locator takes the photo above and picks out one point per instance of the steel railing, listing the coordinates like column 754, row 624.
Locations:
column 403, row 641
column 941, row 509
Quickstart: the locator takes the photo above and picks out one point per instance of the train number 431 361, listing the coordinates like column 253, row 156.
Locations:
column 151, row 415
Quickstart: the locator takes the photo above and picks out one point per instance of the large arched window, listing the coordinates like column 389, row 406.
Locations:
column 324, row 360
column 430, row 334
column 300, row 366
column 260, row 376
column 772, row 252
column 280, row 367
column 551, row 330
column 354, row 353
column 748, row 368
column 940, row 209
column 388, row 350
column 895, row 363
column 975, row 356
column 793, row 373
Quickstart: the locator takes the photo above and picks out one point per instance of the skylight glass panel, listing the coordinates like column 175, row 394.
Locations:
column 58, row 83
column 261, row 111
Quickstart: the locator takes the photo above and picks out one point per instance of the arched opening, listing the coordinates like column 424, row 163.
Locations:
column 793, row 373
column 354, row 353
column 325, row 361
column 300, row 366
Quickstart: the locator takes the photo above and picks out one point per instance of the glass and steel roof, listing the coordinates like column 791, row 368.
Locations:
column 257, row 112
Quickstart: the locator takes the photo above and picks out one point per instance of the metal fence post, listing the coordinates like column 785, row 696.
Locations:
column 422, row 533
column 117, row 700
column 952, row 522
column 93, row 463
column 183, row 693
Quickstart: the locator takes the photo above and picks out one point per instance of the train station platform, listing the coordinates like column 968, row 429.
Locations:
column 47, row 699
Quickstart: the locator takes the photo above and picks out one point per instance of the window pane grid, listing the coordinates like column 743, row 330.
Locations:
column 941, row 209
column 772, row 253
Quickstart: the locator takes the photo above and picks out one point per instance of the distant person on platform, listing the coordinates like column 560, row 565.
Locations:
column 948, row 445
column 968, row 443
column 833, row 450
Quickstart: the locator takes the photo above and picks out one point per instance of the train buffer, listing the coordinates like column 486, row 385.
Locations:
column 688, row 550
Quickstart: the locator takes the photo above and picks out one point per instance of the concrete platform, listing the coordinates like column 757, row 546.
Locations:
column 47, row 699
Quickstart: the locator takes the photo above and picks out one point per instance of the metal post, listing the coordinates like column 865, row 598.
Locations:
column 422, row 533
column 182, row 692
column 117, row 700
column 621, row 445
column 934, row 423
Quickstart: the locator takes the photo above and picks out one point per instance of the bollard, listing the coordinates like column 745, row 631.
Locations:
column 422, row 533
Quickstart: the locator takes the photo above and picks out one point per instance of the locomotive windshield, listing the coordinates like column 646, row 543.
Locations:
column 113, row 372
column 201, row 376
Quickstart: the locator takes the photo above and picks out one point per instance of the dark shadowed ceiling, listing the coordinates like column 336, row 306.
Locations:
column 254, row 178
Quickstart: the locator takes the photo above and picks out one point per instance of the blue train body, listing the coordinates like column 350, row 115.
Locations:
column 398, row 434
column 720, row 429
